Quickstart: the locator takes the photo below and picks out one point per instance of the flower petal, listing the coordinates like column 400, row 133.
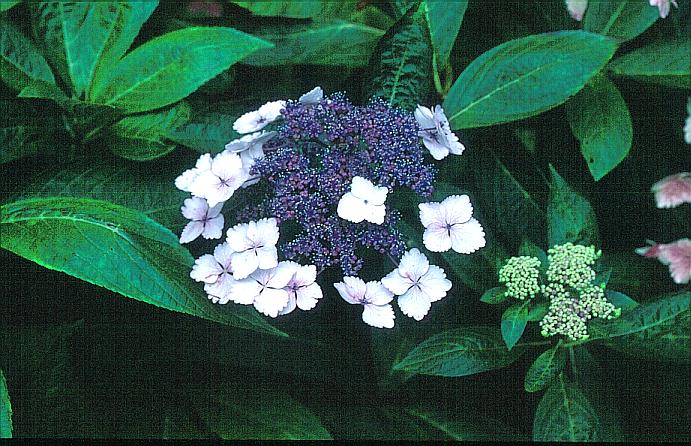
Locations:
column 414, row 303
column 437, row 149
column 244, row 263
column 223, row 253
column 436, row 238
column 244, row 291
column 237, row 237
column 267, row 257
column 308, row 296
column 351, row 208
column 375, row 214
column 456, row 209
column 413, row 265
column 434, row 284
column 396, row 283
column 266, row 232
column 431, row 213
column 281, row 275
column 379, row 316
column 377, row 294
column 424, row 117
column 191, row 231
column 361, row 187
column 352, row 289
column 314, row 96
column 270, row 301
column 221, row 288
column 213, row 229
column 467, row 237
column 290, row 306
column 206, row 269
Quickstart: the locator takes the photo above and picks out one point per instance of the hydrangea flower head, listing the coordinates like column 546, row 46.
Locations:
column 571, row 265
column 521, row 276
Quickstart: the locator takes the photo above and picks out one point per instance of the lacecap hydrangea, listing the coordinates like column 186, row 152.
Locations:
column 315, row 175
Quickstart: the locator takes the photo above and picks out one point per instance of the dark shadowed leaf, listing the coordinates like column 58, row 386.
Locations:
column 284, row 8
column 570, row 216
column 242, row 413
column 538, row 311
column 117, row 248
column 622, row 20
column 5, row 409
column 525, row 77
column 170, row 67
column 665, row 63
column 21, row 63
column 600, row 120
column 513, row 323
column 457, row 426
column 401, row 66
column 459, row 352
column 620, row 300
column 28, row 129
column 544, row 369
column 444, row 19
column 494, row 296
column 565, row 414
column 528, row 248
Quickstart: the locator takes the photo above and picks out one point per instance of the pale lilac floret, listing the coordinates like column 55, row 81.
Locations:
column 218, row 184
column 303, row 290
column 576, row 8
column 417, row 283
column 254, row 244
column 205, row 221
column 184, row 181
column 663, row 6
column 450, row 225
column 258, row 119
column 677, row 255
column 376, row 299
column 250, row 148
column 265, row 289
column 216, row 272
column 436, row 133
column 365, row 201
column 673, row 190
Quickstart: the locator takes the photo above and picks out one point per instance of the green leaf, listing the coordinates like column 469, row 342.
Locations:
column 242, row 413
column 622, row 20
column 544, row 369
column 170, row 67
column 141, row 137
column 528, row 248
column 538, row 311
column 117, row 248
column 77, row 35
column 665, row 63
column 654, row 330
column 444, row 19
column 284, row 8
column 208, row 132
column 600, row 120
column 27, row 129
column 513, row 323
column 453, row 426
column 459, row 352
column 570, row 216
column 494, row 296
column 401, row 66
column 620, row 300
column 7, row 4
column 525, row 77
column 5, row 409
column 21, row 63
column 565, row 414
column 338, row 43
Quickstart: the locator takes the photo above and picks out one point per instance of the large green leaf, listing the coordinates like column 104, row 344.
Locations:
column 570, row 216
column 142, row 137
column 513, row 323
column 600, row 119
column 444, row 19
column 544, row 369
column 565, row 414
column 242, row 413
column 324, row 43
column 284, row 8
column 170, row 67
column 452, row 425
column 77, row 35
column 20, row 61
column 665, row 63
column 459, row 352
column 28, row 129
column 622, row 19
column 5, row 409
column 208, row 132
column 525, row 77
column 657, row 330
column 7, row 4
column 401, row 66
column 117, row 248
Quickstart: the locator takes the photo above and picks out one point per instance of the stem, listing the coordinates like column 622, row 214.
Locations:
column 392, row 259
column 572, row 362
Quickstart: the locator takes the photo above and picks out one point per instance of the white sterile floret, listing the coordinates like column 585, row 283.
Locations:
column 254, row 244
column 449, row 225
column 216, row 273
column 417, row 283
column 365, row 201
column 265, row 289
column 218, row 184
column 436, row 133
column 258, row 119
column 303, row 290
column 373, row 296
column 314, row 96
column 205, row 221
column 184, row 181
column 250, row 148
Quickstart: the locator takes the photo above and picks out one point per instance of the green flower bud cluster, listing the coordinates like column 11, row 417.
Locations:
column 521, row 275
column 571, row 265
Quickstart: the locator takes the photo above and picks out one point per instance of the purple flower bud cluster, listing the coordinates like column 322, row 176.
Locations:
column 310, row 164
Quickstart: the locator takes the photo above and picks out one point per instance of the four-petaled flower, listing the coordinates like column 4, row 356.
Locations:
column 417, row 283
column 365, row 201
column 436, row 132
column 258, row 119
column 218, row 184
column 216, row 272
column 449, row 225
column 303, row 290
column 373, row 296
column 206, row 221
column 184, row 181
column 265, row 289
column 254, row 244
